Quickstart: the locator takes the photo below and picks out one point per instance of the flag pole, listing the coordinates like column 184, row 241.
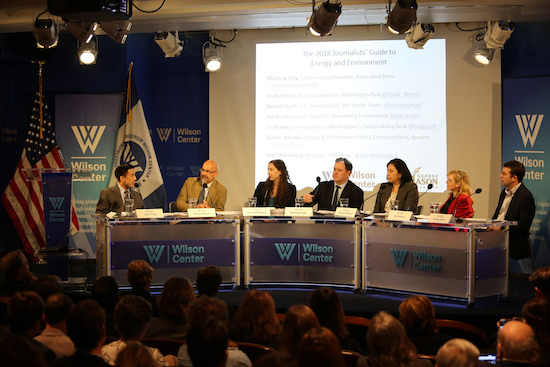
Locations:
column 40, row 66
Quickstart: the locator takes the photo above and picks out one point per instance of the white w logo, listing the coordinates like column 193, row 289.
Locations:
column 195, row 170
column 57, row 202
column 88, row 136
column 164, row 134
column 285, row 250
column 154, row 252
column 529, row 126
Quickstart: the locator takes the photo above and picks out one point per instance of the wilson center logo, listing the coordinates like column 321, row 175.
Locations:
column 285, row 250
column 154, row 253
column 57, row 201
column 529, row 126
column 164, row 133
column 88, row 137
column 399, row 256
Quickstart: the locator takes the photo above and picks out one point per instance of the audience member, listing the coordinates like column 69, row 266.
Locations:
column 299, row 319
column 255, row 320
column 417, row 314
column 319, row 347
column 86, row 328
column 175, row 297
column 329, row 311
column 540, row 280
column 207, row 343
column 135, row 355
column 516, row 345
column 132, row 317
column 536, row 313
column 105, row 292
column 16, row 273
column 457, row 353
column 209, row 279
column 198, row 311
column 19, row 351
column 277, row 359
column 46, row 285
column 54, row 336
column 388, row 344
column 140, row 276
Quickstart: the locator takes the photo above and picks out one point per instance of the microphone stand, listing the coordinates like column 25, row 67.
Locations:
column 478, row 190
column 382, row 186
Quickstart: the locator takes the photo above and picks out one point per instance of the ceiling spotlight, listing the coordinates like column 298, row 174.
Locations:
column 46, row 33
column 117, row 29
column 484, row 55
column 402, row 16
column 324, row 18
column 498, row 33
column 170, row 44
column 419, row 35
column 82, row 31
column 87, row 52
column 211, row 58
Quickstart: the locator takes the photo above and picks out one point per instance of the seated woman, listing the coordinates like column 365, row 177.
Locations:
column 400, row 187
column 459, row 202
column 277, row 191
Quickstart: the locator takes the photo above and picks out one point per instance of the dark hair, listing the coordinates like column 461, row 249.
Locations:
column 122, row 170
column 135, row 354
column 20, row 351
column 536, row 313
column 140, row 274
column 320, row 347
column 283, row 191
column 541, row 279
column 85, row 324
column 299, row 319
column 516, row 169
column 417, row 314
column 207, row 342
column 132, row 316
column 57, row 308
column 277, row 359
column 46, row 285
column 402, row 168
column 25, row 309
column 329, row 310
column 209, row 279
column 12, row 262
column 105, row 292
column 204, row 307
column 176, row 295
column 347, row 163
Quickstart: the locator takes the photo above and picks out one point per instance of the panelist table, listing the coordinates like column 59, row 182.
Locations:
column 465, row 261
column 173, row 247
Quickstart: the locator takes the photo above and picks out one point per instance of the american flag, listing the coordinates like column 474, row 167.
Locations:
column 22, row 198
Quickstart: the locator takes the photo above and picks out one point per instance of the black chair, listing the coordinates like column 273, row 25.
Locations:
column 254, row 351
column 173, row 208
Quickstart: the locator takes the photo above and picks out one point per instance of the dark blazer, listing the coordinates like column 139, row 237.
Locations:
column 111, row 201
column 407, row 196
column 465, row 208
column 522, row 210
column 263, row 198
column 325, row 190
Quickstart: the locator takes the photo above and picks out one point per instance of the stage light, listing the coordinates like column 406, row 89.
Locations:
column 402, row 16
column 324, row 18
column 484, row 55
column 211, row 57
column 118, row 29
column 170, row 44
column 87, row 52
column 45, row 33
column 419, row 35
column 498, row 33
column 82, row 31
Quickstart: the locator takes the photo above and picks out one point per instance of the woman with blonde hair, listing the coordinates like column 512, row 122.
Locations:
column 459, row 203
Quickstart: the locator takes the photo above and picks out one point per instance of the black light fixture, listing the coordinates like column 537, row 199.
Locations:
column 82, row 31
column 402, row 16
column 324, row 18
column 117, row 29
column 87, row 52
column 46, row 32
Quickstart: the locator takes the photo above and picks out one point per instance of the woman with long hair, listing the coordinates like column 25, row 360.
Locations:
column 319, row 348
column 277, row 191
column 400, row 187
column 299, row 319
column 459, row 202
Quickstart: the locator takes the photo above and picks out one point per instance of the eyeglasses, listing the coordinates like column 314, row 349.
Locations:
column 207, row 171
column 503, row 322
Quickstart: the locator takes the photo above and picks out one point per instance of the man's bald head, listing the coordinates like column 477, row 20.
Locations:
column 516, row 340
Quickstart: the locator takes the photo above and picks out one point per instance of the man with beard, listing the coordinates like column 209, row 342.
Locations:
column 208, row 192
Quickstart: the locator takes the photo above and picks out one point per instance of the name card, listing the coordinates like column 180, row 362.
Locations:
column 441, row 218
column 257, row 212
column 345, row 212
column 400, row 215
column 201, row 213
column 149, row 213
column 303, row 211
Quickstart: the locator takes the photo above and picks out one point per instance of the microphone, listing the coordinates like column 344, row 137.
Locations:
column 205, row 187
column 430, row 186
column 478, row 190
column 318, row 179
column 382, row 186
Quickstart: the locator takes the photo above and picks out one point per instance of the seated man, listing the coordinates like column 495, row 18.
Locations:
column 327, row 194
column 208, row 192
column 540, row 280
column 56, row 309
column 16, row 273
column 208, row 282
column 457, row 352
column 111, row 198
column 516, row 345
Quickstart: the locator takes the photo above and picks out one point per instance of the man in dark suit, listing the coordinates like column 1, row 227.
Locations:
column 111, row 199
column 516, row 203
column 327, row 194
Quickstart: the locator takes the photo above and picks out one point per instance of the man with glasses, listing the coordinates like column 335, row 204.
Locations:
column 208, row 192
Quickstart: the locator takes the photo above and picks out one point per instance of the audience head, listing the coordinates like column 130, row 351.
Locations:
column 135, row 354
column 140, row 274
column 177, row 293
column 209, row 279
column 256, row 320
column 207, row 343
column 403, row 173
column 515, row 169
column 204, row 307
column 299, row 319
column 46, row 285
column 457, row 353
column 86, row 325
column 132, row 317
column 540, row 280
column 15, row 266
column 329, row 310
column 387, row 342
column 56, row 309
column 417, row 314
column 459, row 181
column 209, row 171
column 516, row 340
column 536, row 313
column 277, row 359
column 19, row 351
column 25, row 311
column 105, row 292
column 319, row 347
